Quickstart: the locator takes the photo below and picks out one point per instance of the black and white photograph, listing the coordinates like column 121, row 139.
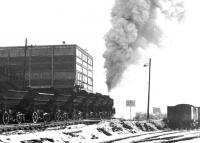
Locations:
column 99, row 71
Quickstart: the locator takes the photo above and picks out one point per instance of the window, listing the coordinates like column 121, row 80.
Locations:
column 90, row 81
column 89, row 61
column 79, row 76
column 78, row 67
column 90, row 88
column 78, row 60
column 89, row 67
column 85, row 64
column 79, row 54
column 84, row 71
column 84, row 79
column 90, row 74
column 84, row 58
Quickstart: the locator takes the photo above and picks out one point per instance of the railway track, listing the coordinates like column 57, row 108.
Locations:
column 43, row 126
column 160, row 137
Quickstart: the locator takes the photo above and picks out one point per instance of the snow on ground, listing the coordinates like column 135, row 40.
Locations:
column 104, row 131
column 166, row 136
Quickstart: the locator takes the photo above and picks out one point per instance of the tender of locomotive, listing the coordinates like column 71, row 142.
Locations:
column 49, row 82
column 182, row 116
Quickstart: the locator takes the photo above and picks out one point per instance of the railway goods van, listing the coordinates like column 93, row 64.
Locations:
column 183, row 116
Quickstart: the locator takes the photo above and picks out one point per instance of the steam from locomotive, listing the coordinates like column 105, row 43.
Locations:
column 133, row 27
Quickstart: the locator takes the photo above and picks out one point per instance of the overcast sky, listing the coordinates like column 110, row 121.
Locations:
column 175, row 68
column 50, row 22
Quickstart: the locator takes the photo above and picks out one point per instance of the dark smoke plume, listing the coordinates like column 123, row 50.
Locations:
column 134, row 27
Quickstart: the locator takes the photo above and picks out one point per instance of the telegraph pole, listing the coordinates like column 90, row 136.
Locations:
column 149, row 89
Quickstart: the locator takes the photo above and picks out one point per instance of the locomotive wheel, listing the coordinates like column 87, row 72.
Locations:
column 5, row 118
column 19, row 118
column 47, row 118
column 65, row 116
column 74, row 116
column 57, row 116
column 35, row 117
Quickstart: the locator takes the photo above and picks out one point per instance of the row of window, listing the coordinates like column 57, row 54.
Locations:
column 85, row 79
column 86, row 86
column 80, row 61
column 84, row 57
column 86, row 65
column 83, row 70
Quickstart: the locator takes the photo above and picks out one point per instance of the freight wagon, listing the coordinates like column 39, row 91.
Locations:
column 183, row 116
column 40, row 83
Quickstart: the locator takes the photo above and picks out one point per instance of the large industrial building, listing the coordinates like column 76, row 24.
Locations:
column 46, row 66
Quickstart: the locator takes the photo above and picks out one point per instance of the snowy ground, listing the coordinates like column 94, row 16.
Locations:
column 182, row 136
column 105, row 131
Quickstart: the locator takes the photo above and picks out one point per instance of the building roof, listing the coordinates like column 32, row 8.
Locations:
column 63, row 45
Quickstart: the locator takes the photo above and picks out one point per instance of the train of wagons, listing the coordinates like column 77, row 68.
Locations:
column 183, row 116
column 49, row 82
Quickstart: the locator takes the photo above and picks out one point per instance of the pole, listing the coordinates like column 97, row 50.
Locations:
column 149, row 89
column 130, row 112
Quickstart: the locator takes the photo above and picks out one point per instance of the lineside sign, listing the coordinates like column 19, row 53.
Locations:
column 156, row 110
column 130, row 103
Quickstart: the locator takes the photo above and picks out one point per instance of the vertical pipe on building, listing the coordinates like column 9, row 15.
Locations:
column 8, row 66
column 24, row 72
column 29, row 67
column 52, row 67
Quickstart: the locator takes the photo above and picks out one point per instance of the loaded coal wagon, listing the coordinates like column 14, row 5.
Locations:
column 11, row 103
column 47, row 82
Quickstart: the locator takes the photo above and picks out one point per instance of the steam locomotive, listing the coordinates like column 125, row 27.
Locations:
column 183, row 116
column 49, row 82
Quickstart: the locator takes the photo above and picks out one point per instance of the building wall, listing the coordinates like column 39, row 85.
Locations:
column 59, row 66
column 84, row 69
column 12, row 64
column 54, row 66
